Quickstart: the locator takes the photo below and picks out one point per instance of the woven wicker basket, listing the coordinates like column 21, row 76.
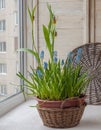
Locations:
column 91, row 62
column 61, row 118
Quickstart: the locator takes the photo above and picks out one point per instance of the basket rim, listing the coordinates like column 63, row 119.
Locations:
column 60, row 109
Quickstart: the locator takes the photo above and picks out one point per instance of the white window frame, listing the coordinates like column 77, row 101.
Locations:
column 2, row 25
column 10, row 103
column 2, row 4
column 3, row 47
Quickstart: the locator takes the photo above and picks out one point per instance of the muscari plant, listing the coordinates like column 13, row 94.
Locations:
column 54, row 79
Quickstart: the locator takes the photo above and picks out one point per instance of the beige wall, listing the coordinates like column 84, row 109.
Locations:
column 71, row 24
column 78, row 22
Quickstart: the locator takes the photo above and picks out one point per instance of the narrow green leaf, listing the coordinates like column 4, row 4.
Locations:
column 34, row 53
column 31, row 17
column 47, row 39
column 33, row 11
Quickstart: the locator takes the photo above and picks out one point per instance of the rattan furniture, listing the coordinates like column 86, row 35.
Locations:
column 91, row 62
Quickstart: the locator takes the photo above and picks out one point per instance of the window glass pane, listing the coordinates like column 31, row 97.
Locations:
column 3, row 68
column 2, row 25
column 9, row 42
column 2, row 4
column 2, row 47
column 3, row 22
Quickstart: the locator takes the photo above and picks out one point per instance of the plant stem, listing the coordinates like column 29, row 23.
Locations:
column 33, row 41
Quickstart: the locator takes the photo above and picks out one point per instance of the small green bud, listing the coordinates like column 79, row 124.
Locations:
column 33, row 18
column 54, row 20
column 55, row 34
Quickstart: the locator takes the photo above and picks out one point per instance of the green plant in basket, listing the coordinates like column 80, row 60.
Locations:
column 58, row 85
column 54, row 79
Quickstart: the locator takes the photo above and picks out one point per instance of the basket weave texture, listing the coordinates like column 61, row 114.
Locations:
column 91, row 62
column 61, row 118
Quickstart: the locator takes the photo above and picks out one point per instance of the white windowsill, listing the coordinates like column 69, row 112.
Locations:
column 10, row 103
column 24, row 117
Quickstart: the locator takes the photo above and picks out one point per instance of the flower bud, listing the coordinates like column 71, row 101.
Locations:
column 79, row 51
column 54, row 20
column 77, row 60
column 55, row 59
column 62, row 62
column 55, row 34
column 39, row 73
column 45, row 65
column 33, row 18
column 42, row 55
column 55, row 53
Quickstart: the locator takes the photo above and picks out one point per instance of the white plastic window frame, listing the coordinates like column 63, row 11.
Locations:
column 17, row 99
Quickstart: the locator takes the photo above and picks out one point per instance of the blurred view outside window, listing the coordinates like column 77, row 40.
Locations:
column 9, row 42
column 2, row 25
column 2, row 47
column 2, row 4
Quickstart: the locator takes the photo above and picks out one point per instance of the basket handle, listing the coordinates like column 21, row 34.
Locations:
column 78, row 101
column 62, row 106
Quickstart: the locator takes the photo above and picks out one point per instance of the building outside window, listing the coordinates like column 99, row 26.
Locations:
column 2, row 47
column 2, row 4
column 3, row 90
column 10, row 40
column 3, row 69
column 2, row 25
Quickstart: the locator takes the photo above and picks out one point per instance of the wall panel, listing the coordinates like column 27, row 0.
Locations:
column 72, row 23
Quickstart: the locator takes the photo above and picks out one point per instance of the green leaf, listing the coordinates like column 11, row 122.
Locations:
column 31, row 18
column 47, row 39
column 32, row 13
column 24, row 78
column 34, row 53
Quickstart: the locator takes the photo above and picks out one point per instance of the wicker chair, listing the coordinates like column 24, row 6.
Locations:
column 91, row 61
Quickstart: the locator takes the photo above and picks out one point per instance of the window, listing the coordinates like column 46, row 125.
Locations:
column 2, row 4
column 13, row 38
column 10, row 40
column 3, row 90
column 2, row 46
column 2, row 25
column 16, row 17
column 3, row 69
